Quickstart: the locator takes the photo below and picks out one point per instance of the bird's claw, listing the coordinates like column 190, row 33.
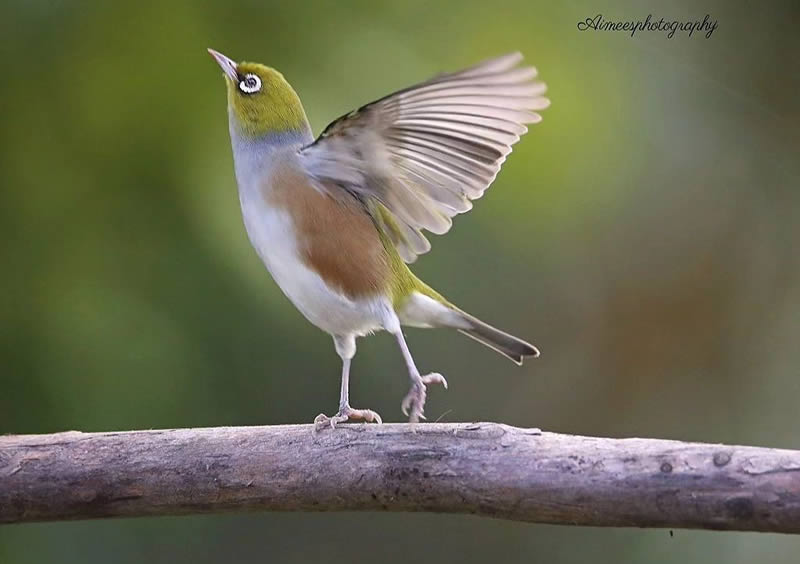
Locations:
column 348, row 414
column 434, row 378
column 413, row 404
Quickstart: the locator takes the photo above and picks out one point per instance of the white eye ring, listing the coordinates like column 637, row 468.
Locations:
column 250, row 84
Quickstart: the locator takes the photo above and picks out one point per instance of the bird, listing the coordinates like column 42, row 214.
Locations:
column 338, row 218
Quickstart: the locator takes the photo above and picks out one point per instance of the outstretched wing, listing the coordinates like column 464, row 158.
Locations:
column 419, row 156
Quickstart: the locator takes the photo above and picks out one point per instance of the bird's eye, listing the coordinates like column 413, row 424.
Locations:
column 250, row 83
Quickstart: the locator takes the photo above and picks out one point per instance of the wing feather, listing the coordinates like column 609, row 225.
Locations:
column 419, row 157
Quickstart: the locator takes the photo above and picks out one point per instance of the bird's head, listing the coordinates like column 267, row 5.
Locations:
column 260, row 101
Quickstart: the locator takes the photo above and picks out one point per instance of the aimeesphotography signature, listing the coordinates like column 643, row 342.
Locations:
column 670, row 27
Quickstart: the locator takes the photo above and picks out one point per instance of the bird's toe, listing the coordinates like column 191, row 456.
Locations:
column 434, row 378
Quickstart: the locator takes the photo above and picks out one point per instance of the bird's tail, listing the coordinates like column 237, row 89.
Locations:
column 508, row 345
column 427, row 308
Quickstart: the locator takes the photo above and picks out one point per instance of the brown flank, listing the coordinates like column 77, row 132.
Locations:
column 336, row 237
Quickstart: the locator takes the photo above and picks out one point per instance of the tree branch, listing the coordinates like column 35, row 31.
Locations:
column 483, row 468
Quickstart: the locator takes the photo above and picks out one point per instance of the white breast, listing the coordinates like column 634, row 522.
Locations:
column 271, row 232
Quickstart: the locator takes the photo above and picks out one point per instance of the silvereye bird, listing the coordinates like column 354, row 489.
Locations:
column 336, row 219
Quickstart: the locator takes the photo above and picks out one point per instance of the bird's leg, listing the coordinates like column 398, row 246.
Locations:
column 346, row 348
column 414, row 403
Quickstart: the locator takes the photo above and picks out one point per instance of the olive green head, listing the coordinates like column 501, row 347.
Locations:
column 260, row 101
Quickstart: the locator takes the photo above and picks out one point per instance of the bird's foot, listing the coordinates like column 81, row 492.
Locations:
column 347, row 414
column 413, row 404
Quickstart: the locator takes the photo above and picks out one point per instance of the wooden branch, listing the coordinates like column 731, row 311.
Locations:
column 482, row 468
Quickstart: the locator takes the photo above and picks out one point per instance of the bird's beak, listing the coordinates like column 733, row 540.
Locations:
column 228, row 65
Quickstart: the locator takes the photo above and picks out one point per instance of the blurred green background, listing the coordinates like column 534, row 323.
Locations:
column 643, row 236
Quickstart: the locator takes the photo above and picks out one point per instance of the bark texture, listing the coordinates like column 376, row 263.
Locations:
column 481, row 468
